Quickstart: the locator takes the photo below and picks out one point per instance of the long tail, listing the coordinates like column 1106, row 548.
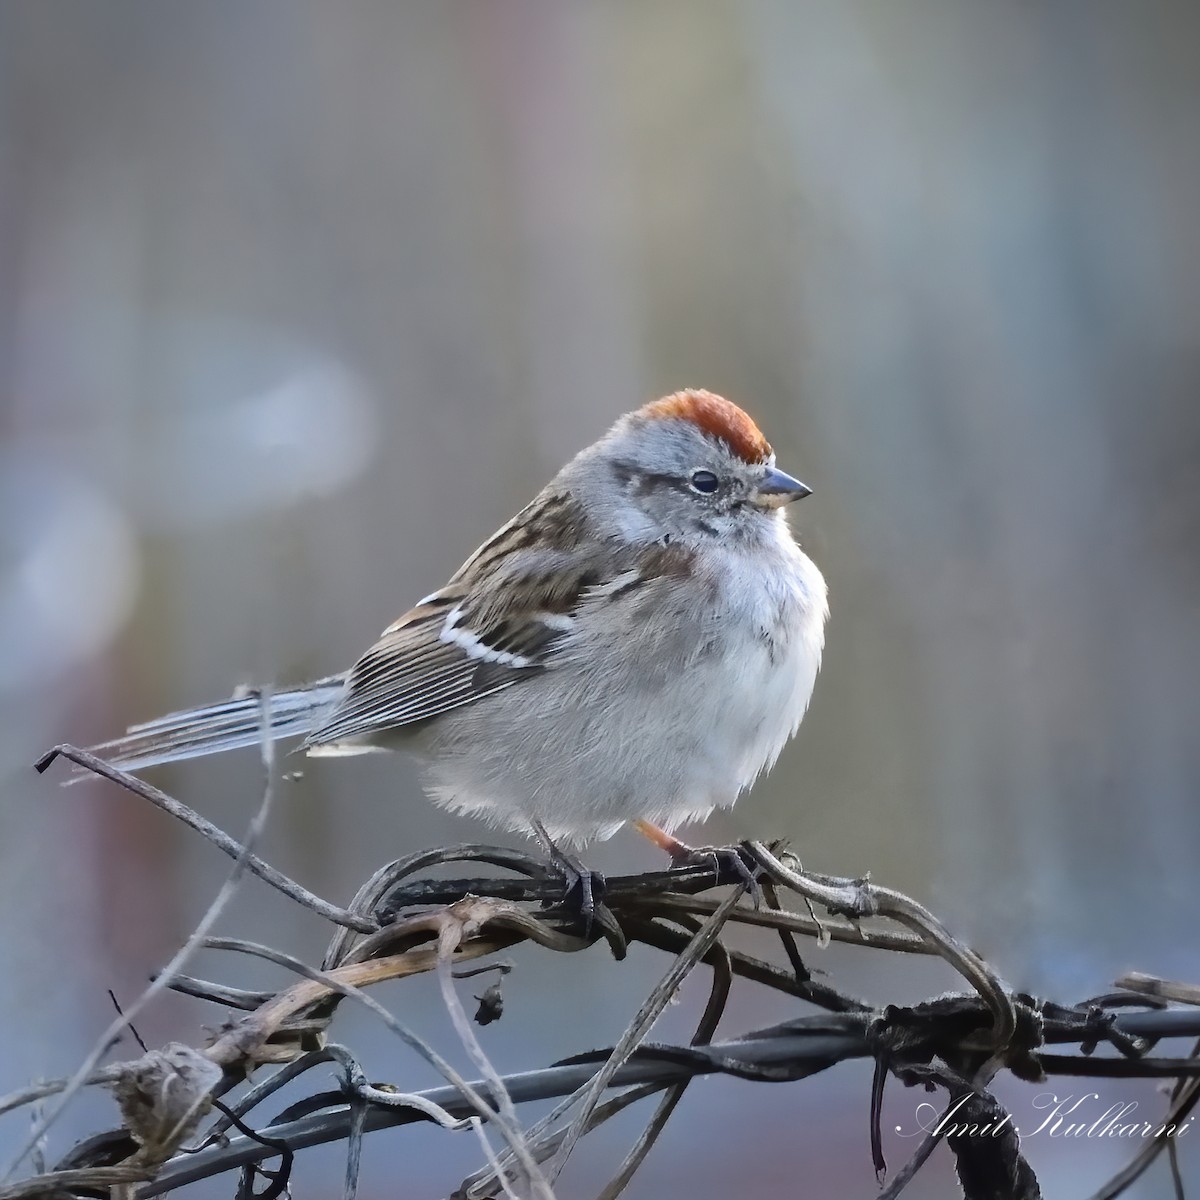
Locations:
column 216, row 728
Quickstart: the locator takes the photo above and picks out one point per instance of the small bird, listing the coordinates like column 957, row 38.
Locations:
column 636, row 645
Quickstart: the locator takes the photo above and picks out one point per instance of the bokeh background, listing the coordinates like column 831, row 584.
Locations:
column 298, row 301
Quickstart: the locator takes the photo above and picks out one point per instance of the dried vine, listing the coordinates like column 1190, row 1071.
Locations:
column 404, row 922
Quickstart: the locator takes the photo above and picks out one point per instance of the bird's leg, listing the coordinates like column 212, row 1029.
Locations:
column 727, row 862
column 583, row 888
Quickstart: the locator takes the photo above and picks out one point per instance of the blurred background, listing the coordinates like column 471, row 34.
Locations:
column 298, row 301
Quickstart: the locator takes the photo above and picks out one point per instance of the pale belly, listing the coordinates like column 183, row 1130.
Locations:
column 664, row 733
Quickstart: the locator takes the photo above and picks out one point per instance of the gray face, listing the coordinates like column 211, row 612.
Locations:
column 687, row 484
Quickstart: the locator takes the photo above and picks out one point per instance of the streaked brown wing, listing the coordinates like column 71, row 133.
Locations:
column 409, row 675
column 454, row 649
column 469, row 641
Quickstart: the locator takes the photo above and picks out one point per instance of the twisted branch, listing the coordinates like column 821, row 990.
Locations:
column 403, row 922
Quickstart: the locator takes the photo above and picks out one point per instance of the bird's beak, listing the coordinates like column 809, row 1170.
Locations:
column 778, row 488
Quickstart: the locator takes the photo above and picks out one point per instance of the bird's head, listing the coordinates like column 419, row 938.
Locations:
column 693, row 466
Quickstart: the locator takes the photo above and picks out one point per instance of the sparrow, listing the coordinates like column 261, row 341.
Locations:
column 636, row 645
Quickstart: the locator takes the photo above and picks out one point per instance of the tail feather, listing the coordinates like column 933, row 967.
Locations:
column 226, row 725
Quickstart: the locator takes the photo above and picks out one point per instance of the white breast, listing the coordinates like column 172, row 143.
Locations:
column 664, row 707
column 781, row 613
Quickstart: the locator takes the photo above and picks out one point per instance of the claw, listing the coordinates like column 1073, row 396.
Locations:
column 730, row 864
column 583, row 889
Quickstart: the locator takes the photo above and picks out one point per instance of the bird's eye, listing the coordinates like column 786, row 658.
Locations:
column 705, row 481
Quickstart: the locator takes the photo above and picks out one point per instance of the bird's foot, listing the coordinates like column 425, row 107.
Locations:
column 583, row 889
column 729, row 864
